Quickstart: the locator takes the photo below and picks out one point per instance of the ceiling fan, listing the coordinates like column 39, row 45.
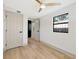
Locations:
column 43, row 5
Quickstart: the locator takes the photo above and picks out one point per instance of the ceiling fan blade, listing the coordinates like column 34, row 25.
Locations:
column 40, row 10
column 39, row 1
column 51, row 4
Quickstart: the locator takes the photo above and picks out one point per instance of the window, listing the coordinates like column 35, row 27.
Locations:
column 60, row 23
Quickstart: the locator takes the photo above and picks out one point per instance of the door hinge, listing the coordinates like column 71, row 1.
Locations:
column 6, row 30
column 6, row 44
column 6, row 16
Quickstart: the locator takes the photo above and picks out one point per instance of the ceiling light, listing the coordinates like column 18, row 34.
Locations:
column 43, row 6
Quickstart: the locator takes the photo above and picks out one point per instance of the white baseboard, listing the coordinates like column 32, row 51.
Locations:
column 60, row 50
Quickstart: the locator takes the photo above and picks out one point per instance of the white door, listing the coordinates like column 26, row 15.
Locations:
column 36, row 29
column 14, row 29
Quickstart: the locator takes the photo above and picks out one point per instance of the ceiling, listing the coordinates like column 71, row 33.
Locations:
column 30, row 7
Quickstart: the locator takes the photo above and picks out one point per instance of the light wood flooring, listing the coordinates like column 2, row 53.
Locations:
column 34, row 50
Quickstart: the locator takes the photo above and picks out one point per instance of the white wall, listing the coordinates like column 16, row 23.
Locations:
column 65, row 41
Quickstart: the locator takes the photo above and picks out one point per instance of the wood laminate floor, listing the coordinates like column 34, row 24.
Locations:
column 34, row 50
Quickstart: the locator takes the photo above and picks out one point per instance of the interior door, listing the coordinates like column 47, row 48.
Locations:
column 36, row 29
column 14, row 29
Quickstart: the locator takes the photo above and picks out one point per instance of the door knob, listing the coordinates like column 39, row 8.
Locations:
column 20, row 31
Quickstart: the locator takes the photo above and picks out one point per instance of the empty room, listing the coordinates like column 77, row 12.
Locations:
column 39, row 29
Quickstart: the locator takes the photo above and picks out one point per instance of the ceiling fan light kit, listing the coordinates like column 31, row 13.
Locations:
column 44, row 5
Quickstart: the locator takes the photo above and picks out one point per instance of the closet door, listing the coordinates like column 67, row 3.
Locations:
column 14, row 31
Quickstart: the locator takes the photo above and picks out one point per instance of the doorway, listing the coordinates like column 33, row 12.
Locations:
column 29, row 28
